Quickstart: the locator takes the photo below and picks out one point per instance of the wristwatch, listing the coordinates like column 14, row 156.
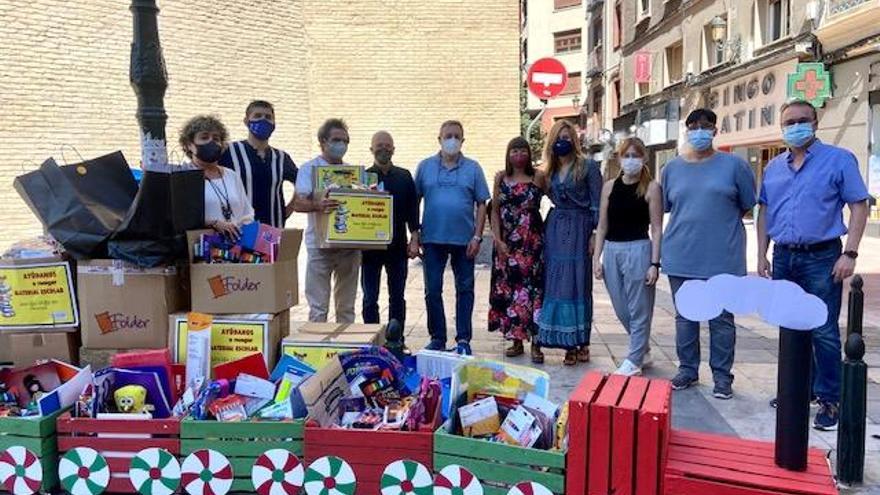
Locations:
column 655, row 265
column 477, row 238
column 851, row 254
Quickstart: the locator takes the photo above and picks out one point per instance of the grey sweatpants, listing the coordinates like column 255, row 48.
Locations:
column 625, row 265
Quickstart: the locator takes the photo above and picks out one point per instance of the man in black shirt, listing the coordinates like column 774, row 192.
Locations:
column 399, row 182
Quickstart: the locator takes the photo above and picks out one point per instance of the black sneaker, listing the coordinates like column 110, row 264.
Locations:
column 436, row 345
column 826, row 418
column 723, row 391
column 682, row 381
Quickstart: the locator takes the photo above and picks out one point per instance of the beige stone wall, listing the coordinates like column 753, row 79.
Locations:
column 402, row 65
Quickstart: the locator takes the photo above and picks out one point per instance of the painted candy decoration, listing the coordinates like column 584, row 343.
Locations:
column 406, row 478
column 529, row 488
column 154, row 472
column 206, row 472
column 330, row 476
column 277, row 472
column 83, row 471
column 456, row 480
column 20, row 471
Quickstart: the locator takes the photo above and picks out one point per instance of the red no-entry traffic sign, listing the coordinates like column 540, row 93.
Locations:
column 547, row 78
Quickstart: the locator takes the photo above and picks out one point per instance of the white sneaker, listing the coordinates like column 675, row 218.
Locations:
column 647, row 360
column 627, row 368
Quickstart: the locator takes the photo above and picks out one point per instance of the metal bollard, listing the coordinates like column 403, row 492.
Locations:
column 854, row 396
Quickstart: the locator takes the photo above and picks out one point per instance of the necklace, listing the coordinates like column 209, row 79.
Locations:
column 225, row 205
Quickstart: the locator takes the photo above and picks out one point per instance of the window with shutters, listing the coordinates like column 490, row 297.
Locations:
column 573, row 86
column 567, row 41
column 617, row 29
column 674, row 64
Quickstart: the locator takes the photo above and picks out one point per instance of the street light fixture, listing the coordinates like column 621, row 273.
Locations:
column 718, row 26
column 149, row 80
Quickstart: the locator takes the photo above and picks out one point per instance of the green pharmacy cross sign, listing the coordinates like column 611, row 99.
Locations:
column 811, row 82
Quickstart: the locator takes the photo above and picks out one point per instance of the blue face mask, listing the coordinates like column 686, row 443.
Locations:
column 797, row 135
column 700, row 139
column 261, row 129
column 337, row 149
column 562, row 147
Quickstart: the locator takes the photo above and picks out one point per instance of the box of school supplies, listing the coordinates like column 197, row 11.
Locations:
column 263, row 284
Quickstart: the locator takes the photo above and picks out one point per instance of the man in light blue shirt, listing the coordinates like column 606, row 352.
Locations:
column 706, row 195
column 454, row 192
column 802, row 201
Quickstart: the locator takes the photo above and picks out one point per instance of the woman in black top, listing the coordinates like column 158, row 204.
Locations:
column 631, row 204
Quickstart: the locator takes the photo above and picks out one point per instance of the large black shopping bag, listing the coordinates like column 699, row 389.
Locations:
column 168, row 203
column 82, row 204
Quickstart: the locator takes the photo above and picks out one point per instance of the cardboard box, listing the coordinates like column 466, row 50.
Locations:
column 319, row 395
column 24, row 349
column 317, row 343
column 242, row 288
column 37, row 294
column 364, row 220
column 126, row 307
column 234, row 336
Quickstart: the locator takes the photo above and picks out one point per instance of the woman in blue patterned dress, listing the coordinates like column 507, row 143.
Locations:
column 574, row 186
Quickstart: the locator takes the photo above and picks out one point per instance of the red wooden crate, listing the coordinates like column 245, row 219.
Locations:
column 118, row 440
column 616, row 424
column 723, row 465
column 369, row 452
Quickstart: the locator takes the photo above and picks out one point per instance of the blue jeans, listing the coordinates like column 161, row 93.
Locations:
column 396, row 265
column 722, row 342
column 813, row 272
column 436, row 257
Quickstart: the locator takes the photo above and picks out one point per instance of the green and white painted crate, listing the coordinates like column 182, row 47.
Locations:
column 499, row 466
column 241, row 442
column 38, row 436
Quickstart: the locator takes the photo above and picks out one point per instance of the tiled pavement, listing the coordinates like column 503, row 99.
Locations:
column 747, row 415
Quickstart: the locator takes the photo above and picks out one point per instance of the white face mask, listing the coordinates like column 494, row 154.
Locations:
column 632, row 166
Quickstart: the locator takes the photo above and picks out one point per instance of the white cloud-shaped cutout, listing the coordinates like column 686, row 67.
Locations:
column 778, row 302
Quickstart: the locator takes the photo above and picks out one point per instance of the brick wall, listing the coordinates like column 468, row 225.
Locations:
column 401, row 65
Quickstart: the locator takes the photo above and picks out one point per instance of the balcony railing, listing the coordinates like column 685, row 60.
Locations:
column 836, row 7
column 594, row 4
column 595, row 61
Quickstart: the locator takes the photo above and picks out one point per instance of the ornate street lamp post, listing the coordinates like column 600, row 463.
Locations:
column 149, row 80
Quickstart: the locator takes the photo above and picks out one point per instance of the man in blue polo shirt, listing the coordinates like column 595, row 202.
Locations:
column 802, row 201
column 455, row 192
column 263, row 169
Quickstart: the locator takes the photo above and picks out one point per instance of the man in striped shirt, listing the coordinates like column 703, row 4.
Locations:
column 263, row 169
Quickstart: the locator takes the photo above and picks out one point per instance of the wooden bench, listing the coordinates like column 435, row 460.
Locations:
column 723, row 465
column 618, row 435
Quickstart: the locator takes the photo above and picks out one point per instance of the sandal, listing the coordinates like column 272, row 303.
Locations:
column 516, row 349
column 571, row 357
column 537, row 355
column 583, row 354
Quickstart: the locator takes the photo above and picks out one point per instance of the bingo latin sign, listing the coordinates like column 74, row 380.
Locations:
column 361, row 219
column 37, row 295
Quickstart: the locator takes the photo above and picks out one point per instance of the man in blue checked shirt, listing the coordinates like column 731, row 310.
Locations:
column 802, row 201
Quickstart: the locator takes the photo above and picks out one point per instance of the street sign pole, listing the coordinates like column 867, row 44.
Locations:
column 536, row 119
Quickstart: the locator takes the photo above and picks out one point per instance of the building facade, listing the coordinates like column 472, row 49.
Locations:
column 556, row 28
column 65, row 81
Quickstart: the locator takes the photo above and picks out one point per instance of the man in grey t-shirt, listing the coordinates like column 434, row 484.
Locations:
column 706, row 195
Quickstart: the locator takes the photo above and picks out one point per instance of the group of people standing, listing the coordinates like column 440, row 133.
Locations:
column 543, row 268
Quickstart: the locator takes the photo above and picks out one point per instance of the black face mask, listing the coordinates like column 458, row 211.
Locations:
column 209, row 152
column 383, row 157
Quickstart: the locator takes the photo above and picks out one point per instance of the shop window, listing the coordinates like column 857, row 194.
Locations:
column 674, row 64
column 567, row 41
column 562, row 4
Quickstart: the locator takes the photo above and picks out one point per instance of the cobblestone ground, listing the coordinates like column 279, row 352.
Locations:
column 747, row 415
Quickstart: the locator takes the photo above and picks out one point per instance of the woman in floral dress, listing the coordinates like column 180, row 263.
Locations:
column 517, row 267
